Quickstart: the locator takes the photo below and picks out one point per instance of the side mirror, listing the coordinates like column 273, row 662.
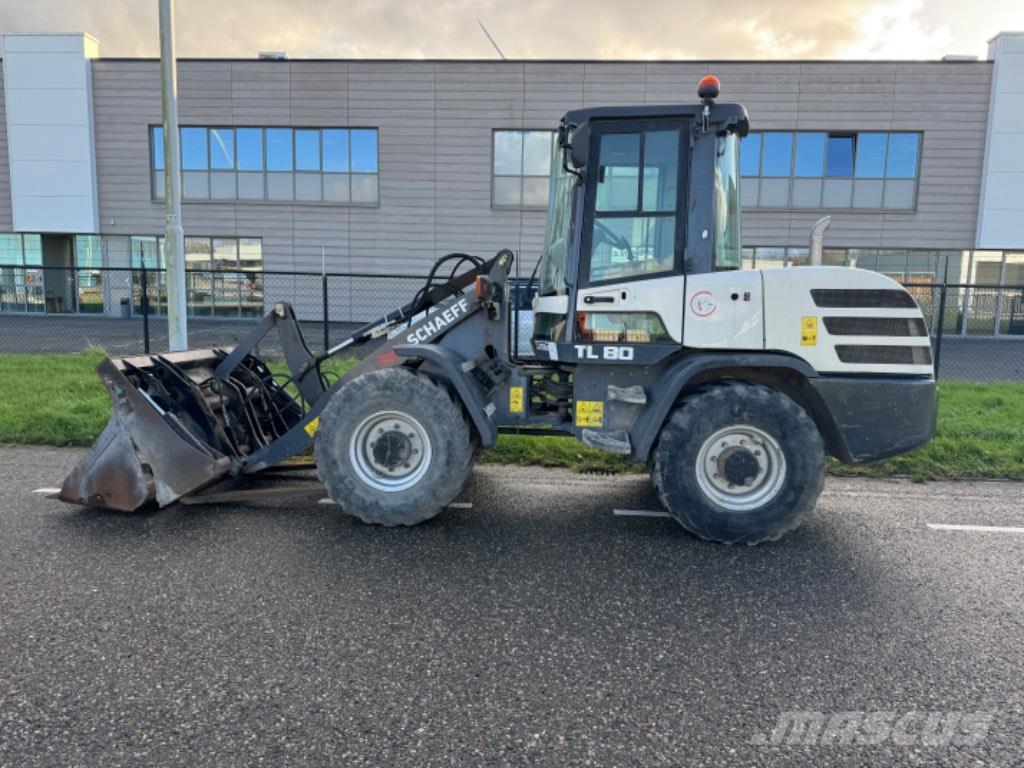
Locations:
column 580, row 146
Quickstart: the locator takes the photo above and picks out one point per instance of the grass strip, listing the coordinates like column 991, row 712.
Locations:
column 58, row 400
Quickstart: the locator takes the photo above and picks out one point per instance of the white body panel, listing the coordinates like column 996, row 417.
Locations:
column 551, row 305
column 48, row 93
column 716, row 320
column 661, row 295
column 1001, row 206
column 787, row 301
column 753, row 310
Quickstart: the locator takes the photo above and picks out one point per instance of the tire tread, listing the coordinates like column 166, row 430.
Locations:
column 432, row 493
column 734, row 397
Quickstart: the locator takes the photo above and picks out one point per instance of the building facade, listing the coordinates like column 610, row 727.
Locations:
column 381, row 166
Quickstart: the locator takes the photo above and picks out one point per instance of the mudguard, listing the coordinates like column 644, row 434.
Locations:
column 676, row 376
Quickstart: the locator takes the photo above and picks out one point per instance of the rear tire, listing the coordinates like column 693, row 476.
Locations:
column 739, row 463
column 393, row 448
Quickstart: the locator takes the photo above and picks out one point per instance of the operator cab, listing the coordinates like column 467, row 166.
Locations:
column 640, row 197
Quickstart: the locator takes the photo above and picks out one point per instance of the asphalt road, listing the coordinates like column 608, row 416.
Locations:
column 534, row 628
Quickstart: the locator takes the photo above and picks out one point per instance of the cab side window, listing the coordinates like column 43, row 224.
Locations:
column 634, row 229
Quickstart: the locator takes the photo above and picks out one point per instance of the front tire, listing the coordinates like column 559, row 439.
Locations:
column 739, row 463
column 393, row 448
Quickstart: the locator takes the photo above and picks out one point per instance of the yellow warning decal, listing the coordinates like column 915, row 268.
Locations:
column 311, row 427
column 808, row 331
column 589, row 413
column 515, row 400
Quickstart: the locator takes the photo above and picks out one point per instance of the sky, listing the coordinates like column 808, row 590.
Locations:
column 585, row 29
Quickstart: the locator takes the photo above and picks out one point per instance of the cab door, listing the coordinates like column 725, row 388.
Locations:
column 631, row 284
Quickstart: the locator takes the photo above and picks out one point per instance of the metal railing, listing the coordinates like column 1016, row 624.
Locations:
column 977, row 330
column 60, row 310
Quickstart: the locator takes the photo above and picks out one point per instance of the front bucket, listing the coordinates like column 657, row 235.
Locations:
column 145, row 453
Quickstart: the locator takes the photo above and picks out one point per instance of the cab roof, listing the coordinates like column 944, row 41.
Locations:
column 725, row 114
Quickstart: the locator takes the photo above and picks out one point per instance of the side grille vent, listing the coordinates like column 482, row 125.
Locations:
column 870, row 298
column 884, row 355
column 875, row 326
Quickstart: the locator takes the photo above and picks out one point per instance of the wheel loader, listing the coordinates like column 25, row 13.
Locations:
column 649, row 340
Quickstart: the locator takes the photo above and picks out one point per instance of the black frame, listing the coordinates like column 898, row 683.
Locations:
column 681, row 212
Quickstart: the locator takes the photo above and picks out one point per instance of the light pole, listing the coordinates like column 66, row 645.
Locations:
column 174, row 242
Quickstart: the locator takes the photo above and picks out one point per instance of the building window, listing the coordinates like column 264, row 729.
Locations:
column 223, row 275
column 71, row 282
column 22, row 281
column 830, row 170
column 521, row 169
column 88, row 254
column 333, row 165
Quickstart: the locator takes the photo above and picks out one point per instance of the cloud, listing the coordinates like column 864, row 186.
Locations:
column 898, row 30
column 613, row 29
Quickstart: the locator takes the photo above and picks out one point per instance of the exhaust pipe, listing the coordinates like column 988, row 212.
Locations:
column 817, row 237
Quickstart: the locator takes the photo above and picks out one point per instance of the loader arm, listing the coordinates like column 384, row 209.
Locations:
column 182, row 421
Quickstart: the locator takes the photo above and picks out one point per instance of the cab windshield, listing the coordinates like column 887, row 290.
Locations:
column 556, row 236
column 728, row 244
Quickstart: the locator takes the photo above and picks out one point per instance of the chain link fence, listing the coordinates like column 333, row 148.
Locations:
column 977, row 330
column 49, row 310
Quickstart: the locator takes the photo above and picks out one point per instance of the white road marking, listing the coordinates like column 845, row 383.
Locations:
column 46, row 490
column 327, row 500
column 640, row 513
column 985, row 528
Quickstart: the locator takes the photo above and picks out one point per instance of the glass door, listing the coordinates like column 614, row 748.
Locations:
column 634, row 198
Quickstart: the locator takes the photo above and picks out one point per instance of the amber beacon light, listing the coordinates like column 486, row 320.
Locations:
column 709, row 87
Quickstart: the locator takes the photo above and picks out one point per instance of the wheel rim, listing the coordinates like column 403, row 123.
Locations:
column 390, row 451
column 741, row 468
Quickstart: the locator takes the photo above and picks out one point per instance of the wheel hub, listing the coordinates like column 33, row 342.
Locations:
column 741, row 468
column 390, row 451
